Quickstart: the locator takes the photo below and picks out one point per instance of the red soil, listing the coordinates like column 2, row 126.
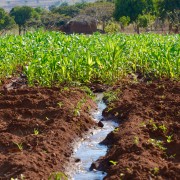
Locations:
column 148, row 114
column 45, row 121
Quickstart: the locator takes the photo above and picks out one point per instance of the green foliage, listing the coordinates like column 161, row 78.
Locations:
column 124, row 21
column 102, row 11
column 36, row 132
column 169, row 138
column 112, row 27
column 6, row 22
column 168, row 6
column 136, row 140
column 113, row 162
column 52, row 58
column 58, row 176
column 158, row 144
column 22, row 14
column 19, row 145
column 132, row 8
column 70, row 11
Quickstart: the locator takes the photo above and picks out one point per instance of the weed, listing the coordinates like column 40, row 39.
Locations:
column 113, row 162
column 58, row 176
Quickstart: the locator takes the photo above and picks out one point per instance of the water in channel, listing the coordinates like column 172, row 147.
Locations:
column 89, row 150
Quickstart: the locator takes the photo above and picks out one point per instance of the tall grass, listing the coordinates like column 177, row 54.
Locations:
column 52, row 57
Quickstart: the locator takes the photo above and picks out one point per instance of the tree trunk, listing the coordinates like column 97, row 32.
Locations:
column 170, row 27
column 20, row 29
column 137, row 29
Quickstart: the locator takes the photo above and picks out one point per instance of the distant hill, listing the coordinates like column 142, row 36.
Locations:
column 9, row 4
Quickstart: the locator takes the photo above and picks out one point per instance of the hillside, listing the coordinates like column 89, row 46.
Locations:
column 9, row 4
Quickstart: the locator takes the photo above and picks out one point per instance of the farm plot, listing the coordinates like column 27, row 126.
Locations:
column 41, row 112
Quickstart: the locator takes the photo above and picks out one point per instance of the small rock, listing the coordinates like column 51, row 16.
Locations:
column 77, row 160
column 94, row 165
column 100, row 124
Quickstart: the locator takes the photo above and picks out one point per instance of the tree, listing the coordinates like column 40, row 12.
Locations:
column 101, row 11
column 169, row 9
column 145, row 20
column 53, row 20
column 71, row 11
column 132, row 8
column 6, row 22
column 124, row 21
column 22, row 15
column 168, row 6
column 112, row 27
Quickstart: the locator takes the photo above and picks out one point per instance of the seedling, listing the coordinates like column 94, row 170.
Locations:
column 152, row 123
column 79, row 106
column 163, row 128
column 116, row 130
column 36, row 132
column 157, row 143
column 113, row 162
column 58, row 176
column 22, row 177
column 136, row 140
column 169, row 138
column 155, row 170
column 142, row 124
column 60, row 104
column 65, row 89
column 19, row 145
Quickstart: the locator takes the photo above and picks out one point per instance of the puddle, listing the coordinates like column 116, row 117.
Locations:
column 89, row 150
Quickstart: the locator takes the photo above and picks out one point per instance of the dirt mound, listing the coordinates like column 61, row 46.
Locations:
column 37, row 127
column 147, row 143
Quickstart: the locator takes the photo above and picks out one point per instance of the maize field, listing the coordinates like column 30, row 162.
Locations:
column 50, row 58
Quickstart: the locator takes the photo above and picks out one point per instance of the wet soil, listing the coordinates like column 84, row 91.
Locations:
column 147, row 143
column 38, row 127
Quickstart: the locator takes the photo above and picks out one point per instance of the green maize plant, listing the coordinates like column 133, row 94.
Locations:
column 52, row 58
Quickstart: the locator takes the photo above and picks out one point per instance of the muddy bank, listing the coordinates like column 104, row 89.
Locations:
column 37, row 127
column 146, row 145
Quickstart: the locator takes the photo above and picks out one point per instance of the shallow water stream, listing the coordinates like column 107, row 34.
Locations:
column 89, row 149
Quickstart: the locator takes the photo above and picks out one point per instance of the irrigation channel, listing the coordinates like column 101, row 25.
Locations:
column 90, row 149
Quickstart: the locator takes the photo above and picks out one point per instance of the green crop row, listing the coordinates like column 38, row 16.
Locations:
column 51, row 58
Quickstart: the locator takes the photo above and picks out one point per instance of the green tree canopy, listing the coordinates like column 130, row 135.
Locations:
column 22, row 15
column 132, row 8
column 6, row 22
column 166, row 6
column 71, row 11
